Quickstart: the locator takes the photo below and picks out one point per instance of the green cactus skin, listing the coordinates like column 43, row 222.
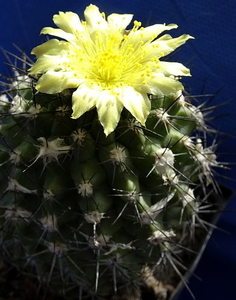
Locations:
column 95, row 216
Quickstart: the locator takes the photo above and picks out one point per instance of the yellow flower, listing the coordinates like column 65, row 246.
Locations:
column 110, row 67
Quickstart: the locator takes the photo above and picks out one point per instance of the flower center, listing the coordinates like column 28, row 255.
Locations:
column 112, row 59
column 108, row 64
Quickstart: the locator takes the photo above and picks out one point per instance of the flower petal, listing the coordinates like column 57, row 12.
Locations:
column 149, row 33
column 168, row 45
column 48, row 62
column 108, row 106
column 119, row 22
column 173, row 68
column 56, row 82
column 138, row 104
column 158, row 84
column 58, row 32
column 157, row 29
column 68, row 21
column 109, row 109
column 83, row 99
column 51, row 47
column 94, row 18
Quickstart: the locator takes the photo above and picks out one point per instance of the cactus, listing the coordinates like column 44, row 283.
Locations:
column 102, row 152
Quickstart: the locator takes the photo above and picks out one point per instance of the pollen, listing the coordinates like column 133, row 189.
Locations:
column 137, row 24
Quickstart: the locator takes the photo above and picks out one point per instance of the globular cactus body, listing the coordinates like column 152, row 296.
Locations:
column 91, row 213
